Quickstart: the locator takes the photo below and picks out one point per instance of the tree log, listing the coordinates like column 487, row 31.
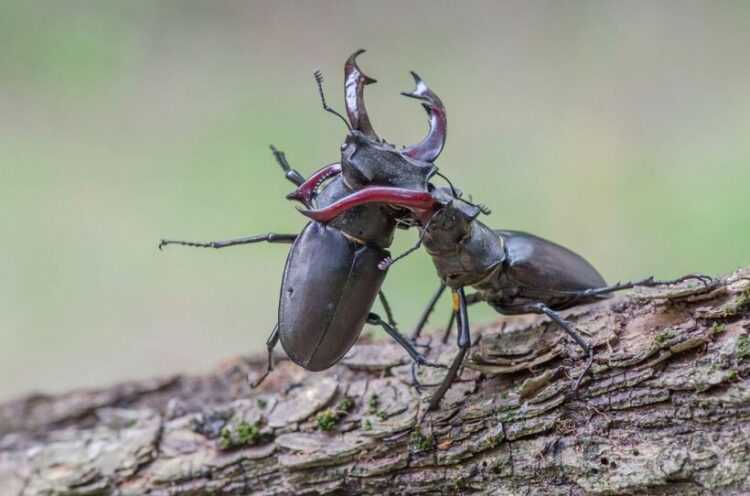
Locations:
column 666, row 410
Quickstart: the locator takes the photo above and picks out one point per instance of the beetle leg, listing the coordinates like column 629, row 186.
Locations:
column 415, row 381
column 407, row 345
column 270, row 238
column 426, row 313
column 387, row 308
column 449, row 328
column 291, row 174
column 704, row 279
column 271, row 342
column 470, row 300
column 392, row 319
column 464, row 343
column 648, row 282
column 541, row 308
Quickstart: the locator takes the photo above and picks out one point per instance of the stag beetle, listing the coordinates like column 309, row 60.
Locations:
column 334, row 269
column 514, row 272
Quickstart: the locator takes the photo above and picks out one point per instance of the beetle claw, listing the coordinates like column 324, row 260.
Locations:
column 707, row 281
column 423, row 361
column 415, row 382
column 257, row 382
column 385, row 263
column 586, row 370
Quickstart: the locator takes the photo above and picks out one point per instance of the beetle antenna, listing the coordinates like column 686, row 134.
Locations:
column 481, row 206
column 319, row 80
column 388, row 261
column 453, row 190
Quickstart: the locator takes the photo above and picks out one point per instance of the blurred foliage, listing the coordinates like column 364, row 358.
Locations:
column 617, row 130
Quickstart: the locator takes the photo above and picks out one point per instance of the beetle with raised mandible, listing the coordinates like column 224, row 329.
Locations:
column 512, row 271
column 332, row 275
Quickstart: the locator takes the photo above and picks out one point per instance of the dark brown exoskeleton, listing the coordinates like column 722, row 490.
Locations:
column 332, row 274
column 514, row 272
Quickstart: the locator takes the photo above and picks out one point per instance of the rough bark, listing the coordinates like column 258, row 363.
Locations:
column 666, row 411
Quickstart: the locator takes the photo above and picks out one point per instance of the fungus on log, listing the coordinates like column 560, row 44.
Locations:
column 666, row 411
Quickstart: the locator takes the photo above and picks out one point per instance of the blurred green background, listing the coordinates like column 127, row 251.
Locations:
column 619, row 129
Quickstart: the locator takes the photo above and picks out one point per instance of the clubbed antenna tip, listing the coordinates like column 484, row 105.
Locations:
column 318, row 77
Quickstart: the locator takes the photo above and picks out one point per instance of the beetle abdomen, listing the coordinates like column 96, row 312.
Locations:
column 540, row 264
column 329, row 286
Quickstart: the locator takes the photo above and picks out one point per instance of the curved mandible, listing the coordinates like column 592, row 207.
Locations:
column 305, row 191
column 430, row 147
column 354, row 83
column 416, row 200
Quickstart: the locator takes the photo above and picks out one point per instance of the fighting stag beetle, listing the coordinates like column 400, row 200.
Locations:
column 332, row 274
column 514, row 272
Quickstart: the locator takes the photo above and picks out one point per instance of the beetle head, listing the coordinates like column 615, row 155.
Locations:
column 451, row 220
column 366, row 159
column 365, row 162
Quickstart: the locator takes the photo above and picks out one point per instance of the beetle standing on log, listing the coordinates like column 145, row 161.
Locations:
column 514, row 272
column 332, row 274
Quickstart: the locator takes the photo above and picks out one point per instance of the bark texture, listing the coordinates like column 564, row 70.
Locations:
column 667, row 411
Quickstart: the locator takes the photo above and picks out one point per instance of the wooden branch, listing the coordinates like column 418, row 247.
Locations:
column 666, row 412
